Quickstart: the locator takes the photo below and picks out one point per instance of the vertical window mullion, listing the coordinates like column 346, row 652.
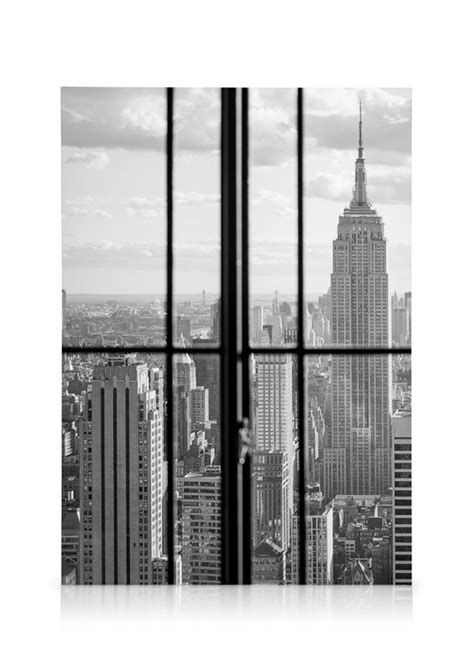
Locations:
column 169, row 333
column 228, row 389
column 246, row 469
column 300, row 337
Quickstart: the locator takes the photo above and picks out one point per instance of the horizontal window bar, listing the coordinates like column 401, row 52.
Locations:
column 326, row 350
column 217, row 350
column 98, row 349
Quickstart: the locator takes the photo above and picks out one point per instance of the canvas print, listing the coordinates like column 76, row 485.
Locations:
column 304, row 428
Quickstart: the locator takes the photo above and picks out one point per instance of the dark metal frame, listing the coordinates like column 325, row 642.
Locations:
column 234, row 348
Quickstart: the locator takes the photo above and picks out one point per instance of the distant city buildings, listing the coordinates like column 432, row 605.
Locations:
column 401, row 320
column 357, row 431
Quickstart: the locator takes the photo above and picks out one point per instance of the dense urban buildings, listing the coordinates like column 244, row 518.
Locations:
column 357, row 423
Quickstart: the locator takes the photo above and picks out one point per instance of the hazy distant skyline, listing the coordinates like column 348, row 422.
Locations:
column 114, row 229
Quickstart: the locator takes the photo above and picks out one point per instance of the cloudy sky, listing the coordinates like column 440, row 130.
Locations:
column 114, row 185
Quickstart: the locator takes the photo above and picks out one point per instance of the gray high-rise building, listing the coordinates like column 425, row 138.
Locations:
column 401, row 491
column 357, row 458
column 274, row 454
column 121, row 465
column 202, row 527
column 319, row 542
column 270, row 481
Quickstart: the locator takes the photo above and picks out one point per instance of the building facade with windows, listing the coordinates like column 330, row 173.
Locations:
column 402, row 494
column 202, row 527
column 121, row 465
column 357, row 459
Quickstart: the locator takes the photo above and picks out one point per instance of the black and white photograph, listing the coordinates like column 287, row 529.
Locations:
column 326, row 396
column 237, row 381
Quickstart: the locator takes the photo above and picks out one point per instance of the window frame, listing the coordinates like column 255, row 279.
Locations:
column 234, row 349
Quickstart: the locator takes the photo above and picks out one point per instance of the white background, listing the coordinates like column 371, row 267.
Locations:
column 358, row 44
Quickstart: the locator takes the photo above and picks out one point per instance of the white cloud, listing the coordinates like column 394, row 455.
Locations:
column 84, row 207
column 102, row 213
column 281, row 204
column 96, row 160
column 73, row 210
column 389, row 186
column 147, row 208
column 144, row 207
column 195, row 198
column 135, row 118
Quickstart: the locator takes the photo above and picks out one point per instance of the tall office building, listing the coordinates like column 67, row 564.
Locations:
column 274, row 403
column 357, row 458
column 215, row 331
column 275, row 304
column 272, row 484
column 256, row 322
column 270, row 481
column 184, row 372
column 182, row 420
column 199, row 405
column 121, row 457
column 401, row 491
column 202, row 527
column 208, row 375
column 319, row 542
column 400, row 325
column 408, row 308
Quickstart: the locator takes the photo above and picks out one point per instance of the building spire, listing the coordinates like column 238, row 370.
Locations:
column 359, row 198
column 361, row 147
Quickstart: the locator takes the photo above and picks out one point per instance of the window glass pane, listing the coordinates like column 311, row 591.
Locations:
column 113, row 211
column 274, row 463
column 351, row 476
column 114, row 479
column 197, row 216
column 357, row 214
column 272, row 217
column 355, row 420
column 198, row 478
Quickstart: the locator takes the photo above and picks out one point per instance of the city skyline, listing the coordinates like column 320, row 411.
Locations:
column 127, row 497
column 114, row 222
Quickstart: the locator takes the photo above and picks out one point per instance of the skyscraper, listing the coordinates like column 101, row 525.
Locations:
column 185, row 372
column 401, row 490
column 199, row 405
column 270, row 477
column 274, row 412
column 121, row 457
column 202, row 527
column 408, row 308
column 272, row 484
column 256, row 322
column 319, row 542
column 357, row 458
column 208, row 375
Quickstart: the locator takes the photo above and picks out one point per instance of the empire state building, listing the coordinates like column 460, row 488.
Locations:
column 356, row 459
